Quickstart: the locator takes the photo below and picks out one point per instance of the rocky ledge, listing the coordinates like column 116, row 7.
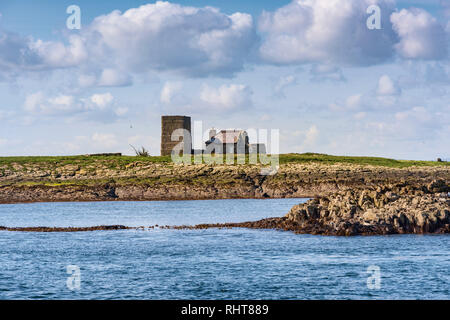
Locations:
column 108, row 180
column 399, row 208
column 389, row 209
column 64, row 229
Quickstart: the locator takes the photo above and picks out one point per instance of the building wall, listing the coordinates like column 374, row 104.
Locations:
column 257, row 148
column 168, row 125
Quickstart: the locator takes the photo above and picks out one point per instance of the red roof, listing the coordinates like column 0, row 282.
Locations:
column 229, row 136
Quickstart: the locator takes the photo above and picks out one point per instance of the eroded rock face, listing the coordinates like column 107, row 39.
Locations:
column 99, row 181
column 389, row 209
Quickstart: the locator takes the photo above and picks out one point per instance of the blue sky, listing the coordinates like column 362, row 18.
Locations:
column 310, row 68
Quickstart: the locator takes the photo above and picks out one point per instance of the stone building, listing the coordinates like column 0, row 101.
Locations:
column 228, row 141
column 168, row 125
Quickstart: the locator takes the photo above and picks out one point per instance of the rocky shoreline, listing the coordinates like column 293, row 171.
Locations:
column 346, row 199
column 154, row 181
column 389, row 209
column 65, row 229
column 383, row 210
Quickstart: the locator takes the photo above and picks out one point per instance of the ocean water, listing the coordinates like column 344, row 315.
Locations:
column 207, row 264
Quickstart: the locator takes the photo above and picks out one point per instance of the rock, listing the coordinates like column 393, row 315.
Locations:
column 370, row 215
column 388, row 209
column 438, row 186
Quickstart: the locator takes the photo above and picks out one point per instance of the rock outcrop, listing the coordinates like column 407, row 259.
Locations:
column 101, row 181
column 65, row 229
column 389, row 209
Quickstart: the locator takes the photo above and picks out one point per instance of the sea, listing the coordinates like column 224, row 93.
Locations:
column 207, row 264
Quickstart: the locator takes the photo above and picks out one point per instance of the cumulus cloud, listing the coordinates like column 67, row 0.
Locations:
column 160, row 36
column 203, row 41
column 57, row 55
column 169, row 90
column 334, row 32
column 38, row 103
column 102, row 100
column 171, row 37
column 311, row 136
column 16, row 54
column 301, row 140
column 387, row 87
column 224, row 98
column 227, row 97
column 20, row 55
column 421, row 35
column 354, row 101
column 105, row 78
column 326, row 31
column 97, row 107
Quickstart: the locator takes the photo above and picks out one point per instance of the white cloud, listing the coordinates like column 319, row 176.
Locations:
column 58, row 55
column 38, row 103
column 102, row 100
column 387, row 87
column 105, row 78
column 169, row 90
column 118, row 47
column 100, row 106
column 311, row 136
column 326, row 31
column 421, row 35
column 33, row 101
column 121, row 111
column 354, row 101
column 114, row 78
column 16, row 54
column 227, row 97
column 105, row 140
column 171, row 37
column 160, row 36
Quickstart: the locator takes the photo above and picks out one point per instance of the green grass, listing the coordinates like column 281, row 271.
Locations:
column 122, row 161
column 66, row 160
column 374, row 161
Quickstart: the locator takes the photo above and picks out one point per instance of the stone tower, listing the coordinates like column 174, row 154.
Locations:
column 168, row 125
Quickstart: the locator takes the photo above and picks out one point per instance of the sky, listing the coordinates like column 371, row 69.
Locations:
column 310, row 68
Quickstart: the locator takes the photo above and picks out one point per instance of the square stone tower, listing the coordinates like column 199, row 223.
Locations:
column 168, row 125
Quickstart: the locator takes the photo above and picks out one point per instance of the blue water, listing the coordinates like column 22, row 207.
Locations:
column 207, row 264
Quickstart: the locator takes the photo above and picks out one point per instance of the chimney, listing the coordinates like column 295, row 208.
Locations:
column 212, row 133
